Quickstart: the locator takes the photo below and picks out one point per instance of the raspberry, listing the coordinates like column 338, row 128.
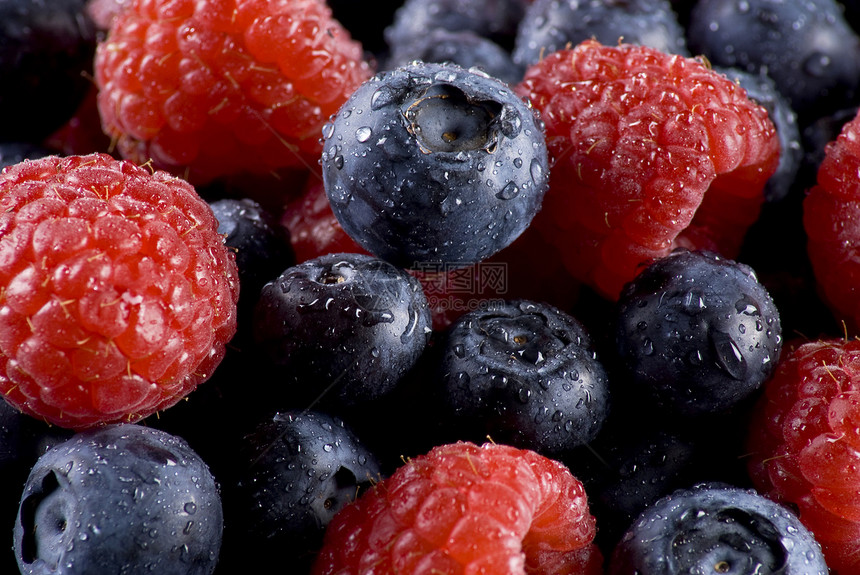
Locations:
column 805, row 445
column 224, row 87
column 830, row 212
column 314, row 230
column 464, row 508
column 638, row 136
column 117, row 295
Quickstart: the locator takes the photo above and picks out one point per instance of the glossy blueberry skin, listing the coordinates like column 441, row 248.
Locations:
column 696, row 333
column 344, row 327
column 434, row 163
column 524, row 373
column 119, row 499
column 806, row 46
column 717, row 529
column 551, row 25
column 464, row 48
column 496, row 20
column 297, row 470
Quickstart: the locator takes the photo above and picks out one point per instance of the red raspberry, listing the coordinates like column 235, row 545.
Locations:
column 638, row 136
column 465, row 509
column 805, row 444
column 117, row 294
column 831, row 218
column 211, row 88
column 314, row 231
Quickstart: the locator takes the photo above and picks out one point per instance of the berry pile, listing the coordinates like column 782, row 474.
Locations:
column 447, row 286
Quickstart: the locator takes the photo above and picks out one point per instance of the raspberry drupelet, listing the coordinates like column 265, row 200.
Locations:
column 117, row 294
column 651, row 151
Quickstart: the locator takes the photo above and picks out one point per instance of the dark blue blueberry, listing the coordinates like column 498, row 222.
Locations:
column 524, row 373
column 762, row 89
column 464, row 48
column 22, row 440
column 806, row 46
column 550, row 25
column 697, row 333
column 715, row 528
column 496, row 20
column 296, row 471
column 119, row 499
column 46, row 56
column 345, row 328
column 434, row 163
column 261, row 244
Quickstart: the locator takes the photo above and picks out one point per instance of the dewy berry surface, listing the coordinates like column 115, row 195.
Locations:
column 652, row 151
column 805, row 447
column 212, row 89
column 830, row 212
column 464, row 508
column 118, row 293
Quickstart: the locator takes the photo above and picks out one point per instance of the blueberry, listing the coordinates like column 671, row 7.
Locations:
column 496, row 20
column 464, row 48
column 551, row 25
column 434, row 163
column 46, row 53
column 345, row 327
column 806, row 46
column 261, row 244
column 119, row 499
column 714, row 528
column 697, row 333
column 524, row 373
column 296, row 471
column 22, row 440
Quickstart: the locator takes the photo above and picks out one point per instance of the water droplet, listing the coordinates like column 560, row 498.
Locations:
column 647, row 346
column 817, row 65
column 381, row 98
column 509, row 192
column 328, row 130
column 524, row 394
column 537, row 172
column 363, row 134
column 338, row 161
column 728, row 354
column 518, row 163
column 459, row 351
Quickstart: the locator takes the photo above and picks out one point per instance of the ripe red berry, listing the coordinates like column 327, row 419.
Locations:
column 638, row 137
column 830, row 217
column 117, row 294
column 464, row 508
column 216, row 88
column 805, row 444
column 314, row 230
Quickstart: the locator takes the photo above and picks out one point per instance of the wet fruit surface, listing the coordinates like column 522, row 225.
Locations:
column 434, row 163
